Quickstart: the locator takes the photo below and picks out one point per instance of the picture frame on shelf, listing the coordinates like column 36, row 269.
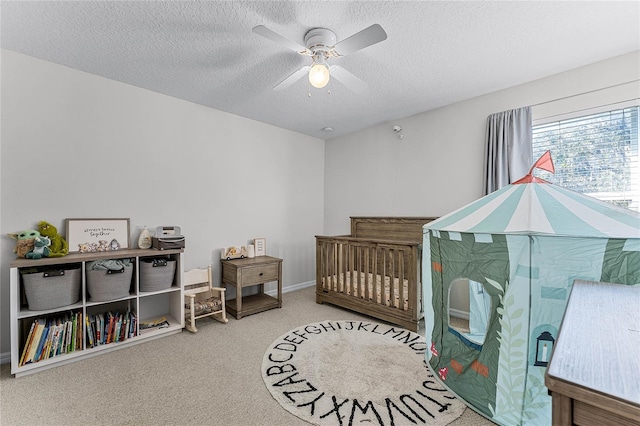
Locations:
column 260, row 245
column 96, row 235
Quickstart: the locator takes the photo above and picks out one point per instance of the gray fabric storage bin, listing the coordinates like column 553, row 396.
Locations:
column 52, row 288
column 104, row 285
column 156, row 274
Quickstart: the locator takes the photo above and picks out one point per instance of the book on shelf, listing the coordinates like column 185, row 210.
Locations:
column 89, row 332
column 94, row 329
column 46, row 352
column 63, row 338
column 55, row 334
column 79, row 333
column 100, row 329
column 27, row 342
column 109, row 326
column 41, row 344
column 36, row 341
column 154, row 323
column 56, row 340
column 44, row 340
column 67, row 341
column 123, row 328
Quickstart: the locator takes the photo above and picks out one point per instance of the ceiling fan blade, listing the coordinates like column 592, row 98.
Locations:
column 297, row 75
column 348, row 79
column 273, row 36
column 365, row 38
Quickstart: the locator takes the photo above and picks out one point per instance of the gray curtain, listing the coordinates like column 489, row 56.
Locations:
column 509, row 154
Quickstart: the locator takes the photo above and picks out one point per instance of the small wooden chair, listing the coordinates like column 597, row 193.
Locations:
column 202, row 299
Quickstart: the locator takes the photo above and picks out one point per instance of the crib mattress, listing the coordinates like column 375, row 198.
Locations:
column 356, row 282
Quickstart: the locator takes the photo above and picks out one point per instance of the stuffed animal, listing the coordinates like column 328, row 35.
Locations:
column 114, row 245
column 83, row 248
column 59, row 246
column 25, row 241
column 40, row 248
column 103, row 245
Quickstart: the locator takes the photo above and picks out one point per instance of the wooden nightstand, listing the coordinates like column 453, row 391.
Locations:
column 594, row 373
column 241, row 273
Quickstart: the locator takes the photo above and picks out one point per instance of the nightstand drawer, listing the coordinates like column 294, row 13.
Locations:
column 260, row 274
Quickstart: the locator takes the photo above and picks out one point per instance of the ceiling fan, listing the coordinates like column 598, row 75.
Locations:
column 320, row 44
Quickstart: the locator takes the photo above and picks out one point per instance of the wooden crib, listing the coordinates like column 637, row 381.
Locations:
column 374, row 271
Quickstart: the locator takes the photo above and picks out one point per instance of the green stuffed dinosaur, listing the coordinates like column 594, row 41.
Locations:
column 59, row 246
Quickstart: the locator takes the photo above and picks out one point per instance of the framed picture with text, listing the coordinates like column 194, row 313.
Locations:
column 93, row 235
column 260, row 246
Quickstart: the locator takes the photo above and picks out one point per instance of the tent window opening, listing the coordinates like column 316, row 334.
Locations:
column 469, row 310
column 595, row 154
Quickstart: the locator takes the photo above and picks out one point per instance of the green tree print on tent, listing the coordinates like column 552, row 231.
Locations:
column 536, row 393
column 512, row 359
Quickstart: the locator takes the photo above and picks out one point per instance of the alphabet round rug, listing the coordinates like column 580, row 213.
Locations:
column 355, row 372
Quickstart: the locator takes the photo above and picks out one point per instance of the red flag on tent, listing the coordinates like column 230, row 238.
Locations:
column 545, row 162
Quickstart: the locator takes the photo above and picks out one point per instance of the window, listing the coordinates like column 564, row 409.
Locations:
column 470, row 317
column 595, row 154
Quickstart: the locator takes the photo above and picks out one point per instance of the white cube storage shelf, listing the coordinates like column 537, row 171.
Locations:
column 167, row 303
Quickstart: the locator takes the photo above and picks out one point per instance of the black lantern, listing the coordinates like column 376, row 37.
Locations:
column 544, row 348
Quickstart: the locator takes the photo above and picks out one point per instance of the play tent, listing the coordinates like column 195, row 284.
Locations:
column 520, row 250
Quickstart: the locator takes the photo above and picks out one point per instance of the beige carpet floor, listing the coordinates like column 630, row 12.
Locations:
column 208, row 378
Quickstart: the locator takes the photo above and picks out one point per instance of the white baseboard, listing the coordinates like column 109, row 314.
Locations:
column 293, row 287
column 458, row 313
column 5, row 358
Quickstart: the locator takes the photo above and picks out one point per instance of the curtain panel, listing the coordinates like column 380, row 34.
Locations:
column 509, row 152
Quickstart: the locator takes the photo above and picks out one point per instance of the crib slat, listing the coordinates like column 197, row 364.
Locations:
column 391, row 274
column 345, row 267
column 323, row 266
column 392, row 279
column 339, row 266
column 371, row 271
column 326, row 266
column 334, row 267
column 381, row 272
column 401, row 279
column 358, row 268
column 345, row 264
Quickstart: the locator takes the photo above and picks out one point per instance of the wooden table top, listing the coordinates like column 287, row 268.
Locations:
column 598, row 346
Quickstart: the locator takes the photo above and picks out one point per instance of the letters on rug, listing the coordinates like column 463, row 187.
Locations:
column 352, row 372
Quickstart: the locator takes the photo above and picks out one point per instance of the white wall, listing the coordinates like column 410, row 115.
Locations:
column 76, row 145
column 438, row 166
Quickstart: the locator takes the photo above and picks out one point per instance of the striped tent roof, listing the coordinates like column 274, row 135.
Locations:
column 541, row 209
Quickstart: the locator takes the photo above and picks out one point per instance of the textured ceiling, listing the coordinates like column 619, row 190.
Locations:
column 436, row 53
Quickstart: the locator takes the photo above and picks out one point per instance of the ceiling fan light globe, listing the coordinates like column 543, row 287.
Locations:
column 319, row 76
